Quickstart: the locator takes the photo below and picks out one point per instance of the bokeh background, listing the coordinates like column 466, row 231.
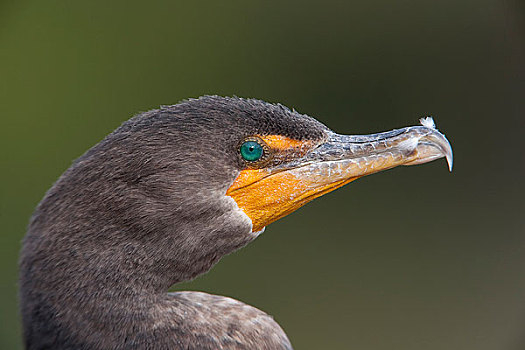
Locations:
column 414, row 258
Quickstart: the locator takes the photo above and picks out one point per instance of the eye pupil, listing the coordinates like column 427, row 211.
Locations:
column 251, row 151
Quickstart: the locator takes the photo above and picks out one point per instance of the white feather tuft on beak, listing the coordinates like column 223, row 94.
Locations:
column 428, row 122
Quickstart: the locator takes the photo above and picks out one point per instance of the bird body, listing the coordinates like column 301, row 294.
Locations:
column 164, row 197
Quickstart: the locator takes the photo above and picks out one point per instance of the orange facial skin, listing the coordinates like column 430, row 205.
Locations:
column 265, row 196
column 282, row 143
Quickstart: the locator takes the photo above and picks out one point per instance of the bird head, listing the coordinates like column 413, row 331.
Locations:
column 273, row 160
column 172, row 190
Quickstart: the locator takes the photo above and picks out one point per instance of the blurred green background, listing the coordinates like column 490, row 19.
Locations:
column 414, row 258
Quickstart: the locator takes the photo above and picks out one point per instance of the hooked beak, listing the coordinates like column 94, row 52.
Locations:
column 343, row 157
column 335, row 162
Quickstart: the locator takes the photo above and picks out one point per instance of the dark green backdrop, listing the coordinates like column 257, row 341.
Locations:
column 414, row 258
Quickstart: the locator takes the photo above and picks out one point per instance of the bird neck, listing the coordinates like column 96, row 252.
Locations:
column 126, row 246
column 79, row 275
column 103, row 248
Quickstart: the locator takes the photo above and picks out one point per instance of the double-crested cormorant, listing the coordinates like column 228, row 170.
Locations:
column 165, row 196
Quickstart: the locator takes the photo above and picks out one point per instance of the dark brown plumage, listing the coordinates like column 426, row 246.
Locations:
column 147, row 208
column 142, row 210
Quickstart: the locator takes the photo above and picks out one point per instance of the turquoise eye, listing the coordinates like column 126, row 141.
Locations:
column 251, row 151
